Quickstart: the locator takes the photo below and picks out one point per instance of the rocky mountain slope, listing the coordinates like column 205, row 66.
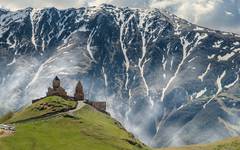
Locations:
column 161, row 75
column 85, row 128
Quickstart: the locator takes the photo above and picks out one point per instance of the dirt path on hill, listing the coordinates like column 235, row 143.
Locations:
column 5, row 133
column 80, row 105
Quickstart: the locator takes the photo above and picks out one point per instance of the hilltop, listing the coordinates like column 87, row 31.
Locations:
column 51, row 123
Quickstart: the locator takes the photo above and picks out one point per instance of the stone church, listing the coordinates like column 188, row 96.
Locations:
column 79, row 95
column 57, row 90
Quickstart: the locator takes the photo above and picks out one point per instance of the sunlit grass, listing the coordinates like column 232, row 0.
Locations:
column 42, row 107
column 87, row 129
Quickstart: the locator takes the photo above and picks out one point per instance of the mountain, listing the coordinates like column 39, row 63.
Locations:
column 85, row 128
column 161, row 76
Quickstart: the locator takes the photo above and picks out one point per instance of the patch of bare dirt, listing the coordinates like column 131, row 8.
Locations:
column 5, row 133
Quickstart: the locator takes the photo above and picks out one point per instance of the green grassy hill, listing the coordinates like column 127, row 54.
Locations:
column 46, row 125
column 49, row 105
column 86, row 129
column 228, row 144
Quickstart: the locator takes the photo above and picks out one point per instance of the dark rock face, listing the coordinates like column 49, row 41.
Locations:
column 157, row 72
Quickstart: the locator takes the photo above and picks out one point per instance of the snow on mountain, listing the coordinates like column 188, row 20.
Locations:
column 161, row 75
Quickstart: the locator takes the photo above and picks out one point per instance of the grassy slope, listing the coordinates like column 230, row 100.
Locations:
column 45, row 106
column 88, row 129
column 228, row 144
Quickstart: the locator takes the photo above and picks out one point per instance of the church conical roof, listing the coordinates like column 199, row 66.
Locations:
column 56, row 78
column 79, row 84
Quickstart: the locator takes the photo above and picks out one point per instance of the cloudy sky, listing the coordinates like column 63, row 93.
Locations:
column 217, row 14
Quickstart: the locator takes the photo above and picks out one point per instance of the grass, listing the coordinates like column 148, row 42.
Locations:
column 228, row 144
column 87, row 129
column 6, row 117
column 47, row 105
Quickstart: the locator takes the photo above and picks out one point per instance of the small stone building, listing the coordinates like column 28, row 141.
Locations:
column 100, row 106
column 79, row 94
column 56, row 90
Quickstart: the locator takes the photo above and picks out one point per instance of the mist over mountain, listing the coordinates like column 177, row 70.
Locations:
column 168, row 81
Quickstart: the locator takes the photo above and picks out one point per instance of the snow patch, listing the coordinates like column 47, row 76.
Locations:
column 201, row 77
column 229, row 13
column 225, row 57
column 198, row 29
column 13, row 62
column 233, row 83
column 219, row 82
column 89, row 42
column 105, row 77
column 217, row 44
column 33, row 29
column 211, row 56
column 200, row 93
column 219, row 87
column 236, row 43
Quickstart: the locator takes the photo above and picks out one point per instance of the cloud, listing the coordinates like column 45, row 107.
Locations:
column 123, row 3
column 216, row 14
column 16, row 4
